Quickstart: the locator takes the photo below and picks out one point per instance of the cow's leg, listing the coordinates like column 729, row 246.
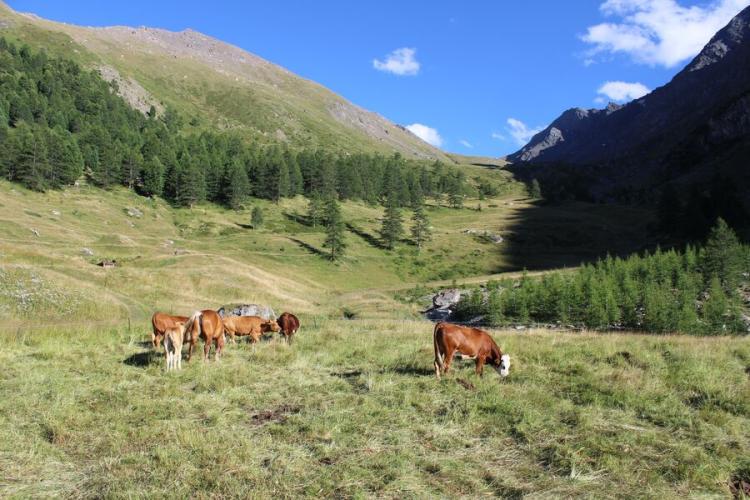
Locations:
column 449, row 352
column 479, row 367
column 219, row 346
column 206, row 349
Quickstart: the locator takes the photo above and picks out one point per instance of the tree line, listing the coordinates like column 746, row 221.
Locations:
column 59, row 122
column 698, row 290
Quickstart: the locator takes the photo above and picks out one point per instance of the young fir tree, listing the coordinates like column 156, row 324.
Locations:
column 722, row 257
column 153, row 177
column 190, row 182
column 535, row 190
column 392, row 228
column 420, row 228
column 334, row 224
column 256, row 217
column 715, row 308
column 315, row 209
column 236, row 185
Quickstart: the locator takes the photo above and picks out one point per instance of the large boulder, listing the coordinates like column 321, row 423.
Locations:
column 265, row 312
column 446, row 298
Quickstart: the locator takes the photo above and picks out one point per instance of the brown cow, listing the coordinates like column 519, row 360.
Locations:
column 160, row 322
column 289, row 325
column 208, row 326
column 470, row 342
column 254, row 326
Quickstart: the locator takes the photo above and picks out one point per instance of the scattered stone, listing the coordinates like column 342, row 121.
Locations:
column 35, row 231
column 134, row 212
column 520, row 327
column 168, row 243
column 265, row 312
column 180, row 251
column 56, row 213
column 87, row 252
column 107, row 264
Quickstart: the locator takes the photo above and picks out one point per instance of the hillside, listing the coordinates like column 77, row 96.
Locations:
column 217, row 85
column 690, row 130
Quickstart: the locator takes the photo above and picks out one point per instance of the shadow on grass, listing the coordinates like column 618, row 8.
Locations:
column 244, row 226
column 142, row 359
column 370, row 239
column 299, row 219
column 309, row 248
column 415, row 371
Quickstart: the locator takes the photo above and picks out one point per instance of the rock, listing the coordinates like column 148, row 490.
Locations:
column 495, row 238
column 56, row 213
column 265, row 312
column 134, row 212
column 168, row 243
column 446, row 298
column 35, row 231
column 87, row 252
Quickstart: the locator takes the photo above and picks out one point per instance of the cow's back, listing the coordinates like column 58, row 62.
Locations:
column 288, row 323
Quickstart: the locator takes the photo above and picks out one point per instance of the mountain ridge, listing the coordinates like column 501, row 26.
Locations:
column 716, row 79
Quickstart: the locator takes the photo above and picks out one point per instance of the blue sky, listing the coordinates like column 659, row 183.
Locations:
column 475, row 77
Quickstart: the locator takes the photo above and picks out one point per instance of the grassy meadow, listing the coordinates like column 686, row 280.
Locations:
column 353, row 409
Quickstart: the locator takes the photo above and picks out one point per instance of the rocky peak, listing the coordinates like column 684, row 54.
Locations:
column 730, row 37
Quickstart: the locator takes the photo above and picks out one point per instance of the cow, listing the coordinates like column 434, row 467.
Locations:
column 160, row 322
column 469, row 342
column 208, row 326
column 173, row 338
column 289, row 325
column 254, row 326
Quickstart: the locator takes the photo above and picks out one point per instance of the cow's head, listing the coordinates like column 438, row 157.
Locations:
column 502, row 365
column 271, row 326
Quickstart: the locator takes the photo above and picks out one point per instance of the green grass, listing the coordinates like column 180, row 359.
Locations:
column 353, row 409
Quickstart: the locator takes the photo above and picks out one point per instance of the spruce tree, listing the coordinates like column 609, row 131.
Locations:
column 31, row 166
column 715, row 308
column 283, row 183
column 722, row 257
column 392, row 228
column 535, row 190
column 191, row 185
column 256, row 218
column 153, row 177
column 334, row 224
column 315, row 209
column 236, row 185
column 420, row 228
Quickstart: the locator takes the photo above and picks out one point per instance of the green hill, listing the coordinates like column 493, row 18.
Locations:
column 218, row 86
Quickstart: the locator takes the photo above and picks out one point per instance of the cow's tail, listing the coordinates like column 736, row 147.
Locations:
column 192, row 327
column 439, row 356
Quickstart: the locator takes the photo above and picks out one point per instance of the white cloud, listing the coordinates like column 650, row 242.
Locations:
column 520, row 132
column 659, row 32
column 622, row 91
column 427, row 134
column 466, row 144
column 400, row 62
column 498, row 136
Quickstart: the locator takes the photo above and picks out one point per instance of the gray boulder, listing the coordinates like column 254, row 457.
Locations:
column 134, row 212
column 265, row 312
column 87, row 252
column 446, row 298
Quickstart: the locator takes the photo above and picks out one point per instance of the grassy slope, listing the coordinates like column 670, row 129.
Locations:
column 257, row 102
column 353, row 409
column 179, row 259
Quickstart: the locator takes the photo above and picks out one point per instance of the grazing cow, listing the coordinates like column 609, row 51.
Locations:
column 160, row 322
column 173, row 338
column 254, row 326
column 289, row 325
column 208, row 326
column 470, row 342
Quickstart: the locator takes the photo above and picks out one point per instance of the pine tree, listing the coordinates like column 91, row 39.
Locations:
column 722, row 257
column 334, row 224
column 392, row 229
column 153, row 177
column 420, row 228
column 715, row 308
column 535, row 190
column 495, row 312
column 315, row 209
column 256, row 218
column 283, row 185
column 191, row 186
column 236, row 185
column 31, row 167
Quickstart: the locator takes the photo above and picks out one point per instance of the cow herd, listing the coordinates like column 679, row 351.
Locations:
column 208, row 326
column 448, row 339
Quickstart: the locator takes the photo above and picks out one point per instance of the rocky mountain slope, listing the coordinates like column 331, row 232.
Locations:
column 215, row 84
column 681, row 129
